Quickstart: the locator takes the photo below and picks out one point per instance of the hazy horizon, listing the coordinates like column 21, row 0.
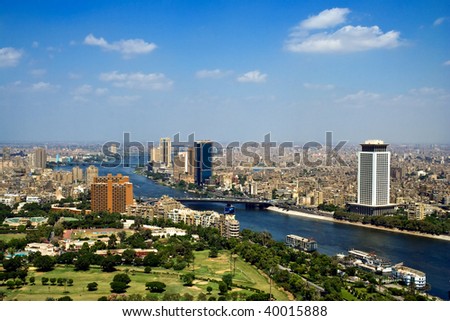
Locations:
column 225, row 70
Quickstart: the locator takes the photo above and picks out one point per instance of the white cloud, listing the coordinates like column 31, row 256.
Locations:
column 9, row 57
column 361, row 98
column 101, row 91
column 83, row 90
column 447, row 63
column 439, row 21
column 38, row 72
column 427, row 91
column 318, row 86
column 215, row 73
column 138, row 80
column 35, row 44
column 326, row 19
column 43, row 86
column 123, row 100
column 345, row 39
column 128, row 48
column 72, row 75
column 253, row 76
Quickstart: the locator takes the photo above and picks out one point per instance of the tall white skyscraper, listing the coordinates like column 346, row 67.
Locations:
column 373, row 173
column 374, row 163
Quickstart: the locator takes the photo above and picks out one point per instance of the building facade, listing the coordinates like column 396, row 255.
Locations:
column 111, row 193
column 202, row 161
column 77, row 174
column 373, row 179
column 91, row 173
column 40, row 158
column 165, row 151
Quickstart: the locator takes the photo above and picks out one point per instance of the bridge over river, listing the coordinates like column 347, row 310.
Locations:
column 249, row 202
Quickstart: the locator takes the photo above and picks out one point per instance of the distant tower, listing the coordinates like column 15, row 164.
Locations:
column 374, row 163
column 202, row 161
column 40, row 158
column 91, row 173
column 165, row 146
column 6, row 154
column 77, row 174
column 113, row 148
column 6, row 157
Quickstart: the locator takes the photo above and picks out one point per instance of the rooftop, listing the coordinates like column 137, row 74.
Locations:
column 374, row 142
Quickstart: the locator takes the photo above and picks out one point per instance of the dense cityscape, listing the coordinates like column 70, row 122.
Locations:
column 295, row 153
column 50, row 194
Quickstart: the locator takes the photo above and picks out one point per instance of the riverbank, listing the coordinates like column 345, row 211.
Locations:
column 333, row 220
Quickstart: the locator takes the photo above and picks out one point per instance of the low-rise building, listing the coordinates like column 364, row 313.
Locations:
column 43, row 248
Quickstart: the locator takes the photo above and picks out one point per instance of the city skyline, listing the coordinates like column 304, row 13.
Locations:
column 225, row 70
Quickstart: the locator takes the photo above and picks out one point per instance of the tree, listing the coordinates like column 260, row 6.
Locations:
column 118, row 287
column 209, row 289
column 11, row 284
column 13, row 264
column 108, row 264
column 228, row 280
column 53, row 281
column 92, row 286
column 44, row 263
column 44, row 280
column 128, row 256
column 70, row 282
column 83, row 262
column 122, row 236
column 171, row 297
column 152, row 259
column 155, row 286
column 112, row 241
column 147, row 269
column 18, row 283
column 66, row 258
column 223, row 288
column 122, row 277
column 61, row 281
column 188, row 278
column 188, row 297
column 213, row 252
column 32, row 280
column 259, row 297
column 201, row 297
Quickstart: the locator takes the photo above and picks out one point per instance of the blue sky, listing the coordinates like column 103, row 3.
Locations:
column 225, row 70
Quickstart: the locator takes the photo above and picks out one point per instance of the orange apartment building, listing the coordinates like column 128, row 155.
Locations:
column 111, row 193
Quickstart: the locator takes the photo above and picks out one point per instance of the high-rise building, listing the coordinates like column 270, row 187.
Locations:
column 373, row 179
column 111, row 193
column 182, row 169
column 6, row 156
column 77, row 174
column 165, row 151
column 155, row 154
column 91, row 173
column 40, row 158
column 202, row 161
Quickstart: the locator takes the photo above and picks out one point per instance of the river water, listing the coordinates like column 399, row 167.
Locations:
column 428, row 255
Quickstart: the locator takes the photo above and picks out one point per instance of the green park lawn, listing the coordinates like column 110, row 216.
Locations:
column 205, row 268
column 8, row 237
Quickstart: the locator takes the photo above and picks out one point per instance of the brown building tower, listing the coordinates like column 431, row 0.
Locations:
column 111, row 193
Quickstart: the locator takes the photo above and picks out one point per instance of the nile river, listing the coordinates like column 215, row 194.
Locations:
column 428, row 255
